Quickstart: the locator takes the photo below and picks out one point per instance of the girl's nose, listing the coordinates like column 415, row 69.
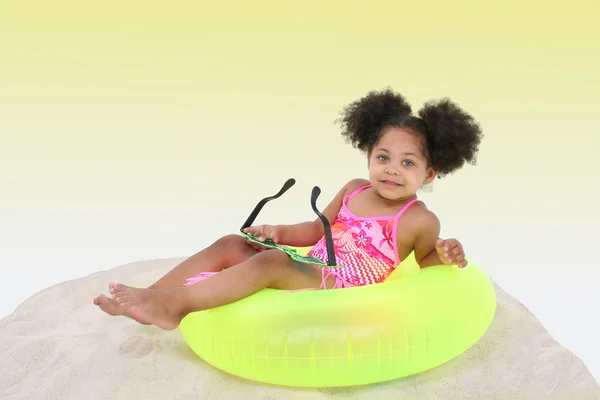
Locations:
column 391, row 171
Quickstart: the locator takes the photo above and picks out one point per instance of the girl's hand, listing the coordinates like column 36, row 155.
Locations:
column 450, row 251
column 262, row 232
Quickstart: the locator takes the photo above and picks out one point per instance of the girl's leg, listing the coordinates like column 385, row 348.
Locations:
column 223, row 253
column 226, row 252
column 166, row 308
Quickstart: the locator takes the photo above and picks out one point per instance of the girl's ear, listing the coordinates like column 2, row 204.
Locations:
column 431, row 174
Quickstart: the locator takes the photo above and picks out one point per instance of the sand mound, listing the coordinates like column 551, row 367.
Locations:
column 58, row 345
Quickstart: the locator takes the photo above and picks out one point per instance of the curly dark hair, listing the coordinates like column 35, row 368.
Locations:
column 450, row 136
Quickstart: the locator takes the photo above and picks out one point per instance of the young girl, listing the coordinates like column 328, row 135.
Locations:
column 375, row 223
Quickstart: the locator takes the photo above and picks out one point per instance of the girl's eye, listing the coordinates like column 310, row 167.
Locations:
column 382, row 158
column 408, row 163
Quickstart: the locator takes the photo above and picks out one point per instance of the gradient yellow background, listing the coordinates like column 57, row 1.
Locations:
column 136, row 130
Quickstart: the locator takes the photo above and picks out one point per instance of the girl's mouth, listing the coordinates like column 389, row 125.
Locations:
column 390, row 183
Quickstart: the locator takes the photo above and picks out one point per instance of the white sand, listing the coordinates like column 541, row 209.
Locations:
column 58, row 345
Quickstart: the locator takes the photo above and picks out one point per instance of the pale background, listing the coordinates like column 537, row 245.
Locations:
column 147, row 130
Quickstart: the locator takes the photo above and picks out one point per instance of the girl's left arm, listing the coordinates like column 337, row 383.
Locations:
column 431, row 250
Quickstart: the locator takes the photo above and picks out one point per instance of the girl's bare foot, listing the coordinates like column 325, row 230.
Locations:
column 152, row 305
column 111, row 307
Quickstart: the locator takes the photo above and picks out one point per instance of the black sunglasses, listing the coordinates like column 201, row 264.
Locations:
column 331, row 263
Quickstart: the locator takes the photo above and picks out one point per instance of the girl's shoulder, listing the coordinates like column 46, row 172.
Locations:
column 418, row 218
column 357, row 183
column 354, row 185
column 419, row 213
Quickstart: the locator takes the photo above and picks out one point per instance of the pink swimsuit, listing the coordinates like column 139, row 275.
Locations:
column 365, row 246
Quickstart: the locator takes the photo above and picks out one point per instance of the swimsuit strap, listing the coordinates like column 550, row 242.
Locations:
column 395, row 228
column 360, row 189
column 357, row 191
column 410, row 203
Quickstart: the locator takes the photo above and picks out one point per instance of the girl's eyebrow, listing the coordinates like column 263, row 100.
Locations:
column 406, row 153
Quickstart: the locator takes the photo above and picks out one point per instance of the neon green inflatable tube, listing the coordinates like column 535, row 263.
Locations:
column 415, row 321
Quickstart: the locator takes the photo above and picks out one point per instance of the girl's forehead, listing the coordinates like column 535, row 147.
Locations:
column 398, row 137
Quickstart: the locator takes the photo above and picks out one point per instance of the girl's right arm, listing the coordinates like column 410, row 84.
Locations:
column 308, row 233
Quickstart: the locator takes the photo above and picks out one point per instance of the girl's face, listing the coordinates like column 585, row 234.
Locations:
column 397, row 166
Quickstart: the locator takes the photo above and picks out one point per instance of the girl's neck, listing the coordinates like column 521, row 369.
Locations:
column 390, row 203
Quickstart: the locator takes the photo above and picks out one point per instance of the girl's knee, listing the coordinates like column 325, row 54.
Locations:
column 232, row 250
column 230, row 240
